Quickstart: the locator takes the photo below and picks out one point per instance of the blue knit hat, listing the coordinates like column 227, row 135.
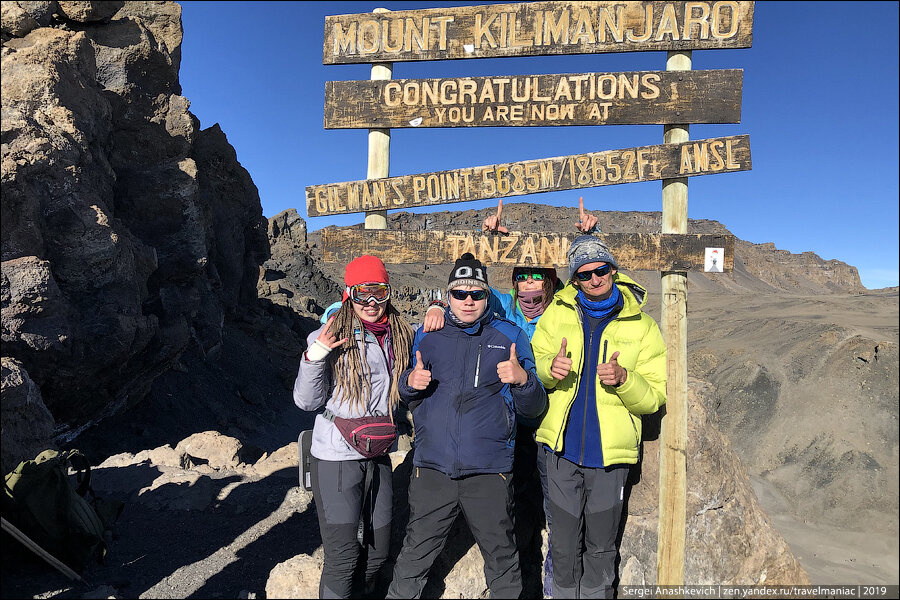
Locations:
column 587, row 249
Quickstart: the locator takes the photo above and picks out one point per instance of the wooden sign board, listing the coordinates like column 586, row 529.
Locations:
column 645, row 163
column 633, row 98
column 536, row 29
column 633, row 251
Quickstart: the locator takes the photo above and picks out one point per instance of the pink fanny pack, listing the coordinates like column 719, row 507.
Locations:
column 370, row 436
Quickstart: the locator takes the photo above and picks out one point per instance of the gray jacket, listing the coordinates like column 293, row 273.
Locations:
column 313, row 389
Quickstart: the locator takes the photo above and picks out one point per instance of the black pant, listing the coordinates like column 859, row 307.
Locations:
column 586, row 505
column 339, row 489
column 434, row 502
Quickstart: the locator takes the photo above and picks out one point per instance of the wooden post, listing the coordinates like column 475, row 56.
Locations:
column 379, row 146
column 673, row 436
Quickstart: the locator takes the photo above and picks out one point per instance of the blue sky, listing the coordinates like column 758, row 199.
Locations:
column 819, row 103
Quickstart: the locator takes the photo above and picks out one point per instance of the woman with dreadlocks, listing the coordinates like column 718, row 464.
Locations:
column 351, row 367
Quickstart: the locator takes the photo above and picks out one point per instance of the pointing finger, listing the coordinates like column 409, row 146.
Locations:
column 499, row 210
column 581, row 208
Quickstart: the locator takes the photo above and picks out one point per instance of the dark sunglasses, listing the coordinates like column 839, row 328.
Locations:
column 525, row 276
column 476, row 294
column 599, row 272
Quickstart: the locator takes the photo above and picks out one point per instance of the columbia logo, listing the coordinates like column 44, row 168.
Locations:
column 496, row 347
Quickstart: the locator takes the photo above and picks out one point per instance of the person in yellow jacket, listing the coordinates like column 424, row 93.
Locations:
column 603, row 363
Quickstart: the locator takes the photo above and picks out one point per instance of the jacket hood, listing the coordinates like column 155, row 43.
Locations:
column 634, row 295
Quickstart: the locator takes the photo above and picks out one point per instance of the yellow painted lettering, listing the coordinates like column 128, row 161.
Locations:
column 345, row 42
column 483, row 30
column 668, row 23
column 729, row 156
column 584, row 31
column 686, row 166
column 648, row 26
column 615, row 25
column 418, row 186
column 724, row 14
column 701, row 21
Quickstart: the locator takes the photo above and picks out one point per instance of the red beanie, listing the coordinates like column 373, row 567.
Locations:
column 365, row 269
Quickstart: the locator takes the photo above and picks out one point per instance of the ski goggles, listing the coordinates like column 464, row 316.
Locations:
column 476, row 294
column 363, row 293
column 599, row 272
column 525, row 276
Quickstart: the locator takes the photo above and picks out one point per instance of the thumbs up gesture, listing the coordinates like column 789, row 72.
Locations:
column 420, row 377
column 510, row 371
column 611, row 373
column 562, row 364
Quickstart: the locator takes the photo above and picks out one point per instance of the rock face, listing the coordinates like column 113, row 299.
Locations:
column 290, row 277
column 128, row 234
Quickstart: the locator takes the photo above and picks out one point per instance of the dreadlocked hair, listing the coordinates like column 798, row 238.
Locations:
column 350, row 369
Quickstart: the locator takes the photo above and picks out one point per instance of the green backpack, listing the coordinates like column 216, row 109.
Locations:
column 43, row 502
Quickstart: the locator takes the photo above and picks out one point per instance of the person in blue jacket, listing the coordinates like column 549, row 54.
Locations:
column 533, row 287
column 468, row 383
column 532, row 291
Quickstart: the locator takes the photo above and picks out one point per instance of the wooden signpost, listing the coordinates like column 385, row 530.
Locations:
column 635, row 98
column 634, row 251
column 536, row 29
column 674, row 97
column 593, row 169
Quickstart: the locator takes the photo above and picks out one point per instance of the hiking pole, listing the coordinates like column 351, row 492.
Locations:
column 56, row 563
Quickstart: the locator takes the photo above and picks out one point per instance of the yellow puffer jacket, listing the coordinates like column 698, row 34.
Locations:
column 635, row 335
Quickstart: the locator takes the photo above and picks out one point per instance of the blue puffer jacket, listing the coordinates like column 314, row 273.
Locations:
column 466, row 419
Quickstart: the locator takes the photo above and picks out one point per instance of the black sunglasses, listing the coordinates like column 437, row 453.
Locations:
column 525, row 276
column 599, row 272
column 476, row 294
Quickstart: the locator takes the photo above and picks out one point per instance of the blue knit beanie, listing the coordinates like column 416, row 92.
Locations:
column 587, row 249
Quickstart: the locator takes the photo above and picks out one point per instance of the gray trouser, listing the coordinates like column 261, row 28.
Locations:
column 339, row 489
column 586, row 505
column 434, row 502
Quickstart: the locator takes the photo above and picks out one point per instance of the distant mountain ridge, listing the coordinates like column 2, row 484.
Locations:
column 760, row 268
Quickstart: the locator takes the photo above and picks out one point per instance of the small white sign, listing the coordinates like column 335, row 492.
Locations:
column 469, row 48
column 416, row 122
column 715, row 260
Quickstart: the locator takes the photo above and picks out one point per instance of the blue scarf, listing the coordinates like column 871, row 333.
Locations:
column 601, row 309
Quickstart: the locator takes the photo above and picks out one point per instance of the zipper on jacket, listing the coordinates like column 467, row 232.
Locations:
column 478, row 365
column 586, row 396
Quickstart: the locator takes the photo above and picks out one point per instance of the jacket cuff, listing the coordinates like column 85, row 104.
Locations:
column 317, row 351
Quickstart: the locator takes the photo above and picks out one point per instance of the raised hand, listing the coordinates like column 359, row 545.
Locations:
column 492, row 223
column 586, row 221
column 611, row 373
column 327, row 338
column 562, row 364
column 510, row 371
column 420, row 377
